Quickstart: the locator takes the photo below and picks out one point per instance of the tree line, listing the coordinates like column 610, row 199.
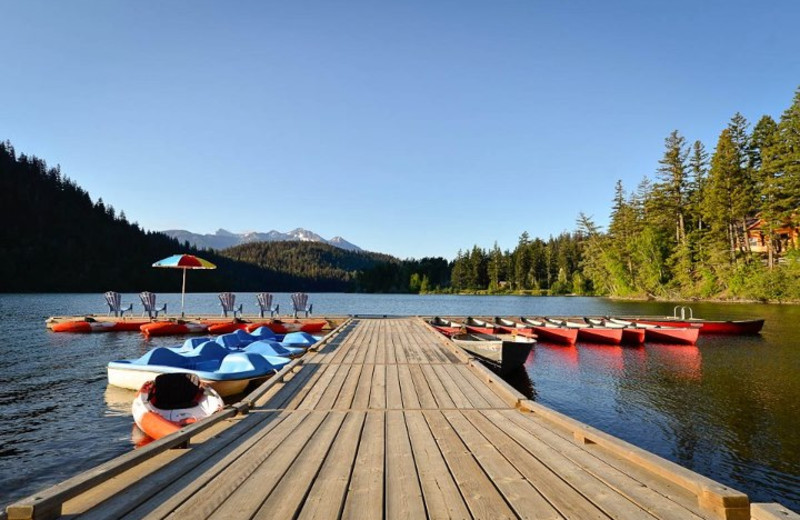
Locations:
column 57, row 239
column 708, row 225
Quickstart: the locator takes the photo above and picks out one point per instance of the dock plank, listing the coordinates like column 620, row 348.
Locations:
column 365, row 496
column 288, row 495
column 403, row 492
column 327, row 495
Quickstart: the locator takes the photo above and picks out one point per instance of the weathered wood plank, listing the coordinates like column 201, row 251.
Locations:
column 364, row 389
column 377, row 398
column 438, row 390
column 326, row 498
column 482, row 498
column 600, row 482
column 460, row 400
column 524, row 499
column 408, row 393
column 421, row 388
column 348, row 392
column 289, row 493
column 248, row 496
column 365, row 496
column 203, row 494
column 569, row 502
column 394, row 399
column 403, row 493
column 441, row 493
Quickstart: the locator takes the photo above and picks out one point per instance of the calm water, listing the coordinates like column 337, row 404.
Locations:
column 728, row 408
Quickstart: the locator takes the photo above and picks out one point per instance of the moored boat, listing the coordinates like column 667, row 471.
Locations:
column 631, row 335
column 662, row 333
column 171, row 401
column 228, row 372
column 514, row 327
column 89, row 324
column 552, row 332
column 591, row 333
column 447, row 327
column 741, row 327
column 505, row 355
column 478, row 326
column 173, row 328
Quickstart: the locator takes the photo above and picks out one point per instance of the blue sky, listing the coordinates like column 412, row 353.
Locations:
column 410, row 128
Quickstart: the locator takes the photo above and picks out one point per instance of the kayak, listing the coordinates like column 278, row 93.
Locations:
column 88, row 324
column 169, row 402
column 173, row 328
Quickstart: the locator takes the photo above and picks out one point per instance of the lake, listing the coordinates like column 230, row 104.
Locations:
column 728, row 408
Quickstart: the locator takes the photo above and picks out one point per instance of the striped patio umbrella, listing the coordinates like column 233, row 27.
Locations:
column 184, row 262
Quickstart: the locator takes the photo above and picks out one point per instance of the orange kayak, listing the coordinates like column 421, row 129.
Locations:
column 172, row 328
column 90, row 325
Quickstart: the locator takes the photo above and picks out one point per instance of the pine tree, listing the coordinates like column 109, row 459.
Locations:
column 672, row 193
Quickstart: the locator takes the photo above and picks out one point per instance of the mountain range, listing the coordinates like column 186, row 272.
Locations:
column 224, row 239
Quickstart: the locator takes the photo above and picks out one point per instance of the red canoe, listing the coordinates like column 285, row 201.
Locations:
column 173, row 328
column 476, row 326
column 447, row 327
column 593, row 334
column 706, row 326
column 514, row 327
column 631, row 334
column 90, row 325
column 682, row 335
column 549, row 332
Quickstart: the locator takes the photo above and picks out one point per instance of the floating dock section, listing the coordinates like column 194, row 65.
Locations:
column 389, row 420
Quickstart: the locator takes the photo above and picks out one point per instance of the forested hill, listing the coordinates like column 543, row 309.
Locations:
column 56, row 239
column 330, row 268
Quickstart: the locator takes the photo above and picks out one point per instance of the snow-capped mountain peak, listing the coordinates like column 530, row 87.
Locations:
column 223, row 238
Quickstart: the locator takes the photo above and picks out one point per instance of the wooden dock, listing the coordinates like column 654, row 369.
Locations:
column 389, row 420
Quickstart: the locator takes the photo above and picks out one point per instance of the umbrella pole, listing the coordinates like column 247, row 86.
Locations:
column 183, row 291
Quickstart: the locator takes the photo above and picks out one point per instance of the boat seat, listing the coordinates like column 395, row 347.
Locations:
column 114, row 301
column 228, row 302
column 175, row 391
column 265, row 304
column 300, row 304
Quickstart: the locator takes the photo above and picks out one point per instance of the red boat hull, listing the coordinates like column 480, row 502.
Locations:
column 682, row 336
column 599, row 335
column 172, row 328
column 711, row 326
column 557, row 335
column 226, row 327
column 631, row 336
column 82, row 326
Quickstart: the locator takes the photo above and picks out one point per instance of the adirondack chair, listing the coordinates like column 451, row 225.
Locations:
column 265, row 304
column 228, row 302
column 300, row 304
column 114, row 301
column 149, row 305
